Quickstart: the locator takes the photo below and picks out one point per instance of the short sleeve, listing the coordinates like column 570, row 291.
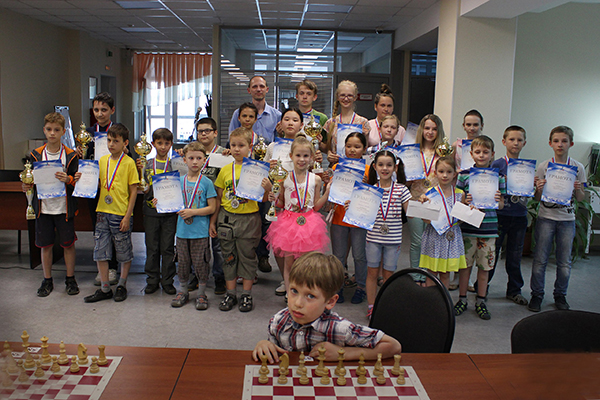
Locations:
column 210, row 188
column 220, row 181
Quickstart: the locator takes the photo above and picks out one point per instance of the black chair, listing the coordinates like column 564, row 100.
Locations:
column 557, row 332
column 420, row 318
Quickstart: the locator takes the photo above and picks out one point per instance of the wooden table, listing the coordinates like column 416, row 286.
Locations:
column 541, row 376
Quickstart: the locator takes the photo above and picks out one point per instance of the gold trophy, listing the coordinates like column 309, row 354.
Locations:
column 277, row 174
column 313, row 129
column 143, row 148
column 27, row 178
column 444, row 149
column 83, row 137
column 260, row 149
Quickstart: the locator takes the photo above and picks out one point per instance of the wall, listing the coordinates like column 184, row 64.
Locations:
column 557, row 77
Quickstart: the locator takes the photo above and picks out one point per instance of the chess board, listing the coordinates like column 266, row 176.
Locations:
column 253, row 390
column 63, row 385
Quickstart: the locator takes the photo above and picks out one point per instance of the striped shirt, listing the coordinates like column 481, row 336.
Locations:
column 329, row 327
column 399, row 196
column 489, row 226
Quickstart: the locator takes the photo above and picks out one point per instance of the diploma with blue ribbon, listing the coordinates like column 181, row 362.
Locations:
column 410, row 154
column 282, row 149
column 364, row 205
column 359, row 164
column 44, row 176
column 342, row 184
column 466, row 161
column 343, row 130
column 520, row 176
column 178, row 164
column 483, row 185
column 100, row 145
column 250, row 182
column 167, row 192
column 87, row 185
column 560, row 182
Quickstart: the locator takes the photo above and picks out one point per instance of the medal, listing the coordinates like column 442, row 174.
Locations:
column 301, row 220
column 450, row 235
column 189, row 221
column 384, row 229
column 301, row 200
column 515, row 199
column 426, row 183
column 427, row 168
column 235, row 203
column 108, row 199
column 189, row 203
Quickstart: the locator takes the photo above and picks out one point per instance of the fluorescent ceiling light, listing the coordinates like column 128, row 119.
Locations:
column 301, row 57
column 134, row 29
column 232, row 69
column 310, row 50
column 304, row 63
column 141, row 5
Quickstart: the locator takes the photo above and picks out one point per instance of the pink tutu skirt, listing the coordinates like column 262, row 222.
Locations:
column 286, row 237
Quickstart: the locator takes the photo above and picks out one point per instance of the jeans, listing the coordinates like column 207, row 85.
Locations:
column 416, row 226
column 358, row 239
column 513, row 228
column 548, row 231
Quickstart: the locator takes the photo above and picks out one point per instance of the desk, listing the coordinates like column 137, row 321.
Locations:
column 541, row 376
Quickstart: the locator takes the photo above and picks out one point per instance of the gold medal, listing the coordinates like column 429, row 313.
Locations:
column 108, row 199
column 450, row 236
column 301, row 220
column 427, row 183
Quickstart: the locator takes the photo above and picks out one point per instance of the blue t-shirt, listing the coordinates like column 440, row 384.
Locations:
column 510, row 209
column 198, row 229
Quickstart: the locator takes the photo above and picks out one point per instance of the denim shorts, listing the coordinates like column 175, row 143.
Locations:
column 107, row 231
column 391, row 253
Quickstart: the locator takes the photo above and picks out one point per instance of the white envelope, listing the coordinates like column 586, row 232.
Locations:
column 468, row 215
column 426, row 210
column 219, row 160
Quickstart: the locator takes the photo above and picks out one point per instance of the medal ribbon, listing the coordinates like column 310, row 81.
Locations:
column 110, row 182
column 378, row 129
column 568, row 161
column 166, row 165
column 207, row 159
column 98, row 127
column 303, row 200
column 194, row 191
column 45, row 153
column 389, row 202
column 427, row 168
column 252, row 141
column 439, row 190
column 233, row 177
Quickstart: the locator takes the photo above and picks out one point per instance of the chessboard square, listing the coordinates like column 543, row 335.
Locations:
column 255, row 382
column 266, row 397
column 365, row 391
column 90, row 380
column 262, row 390
column 387, row 398
column 406, row 391
column 347, row 398
column 345, row 391
column 84, row 389
column 324, row 391
column 36, row 397
column 283, row 391
column 388, row 382
column 304, row 391
column 68, row 387
column 306, row 398
column 348, row 382
column 79, row 397
column 39, row 382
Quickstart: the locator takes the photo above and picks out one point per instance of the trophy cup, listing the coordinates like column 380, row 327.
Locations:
column 444, row 149
column 27, row 178
column 143, row 148
column 277, row 174
column 260, row 149
column 83, row 137
column 313, row 129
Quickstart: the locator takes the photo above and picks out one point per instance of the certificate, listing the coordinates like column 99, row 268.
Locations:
column 410, row 154
column 216, row 160
column 441, row 225
column 87, row 185
column 44, row 176
column 466, row 160
column 282, row 149
column 100, row 145
column 519, row 177
column 178, row 164
column 364, row 205
column 467, row 214
column 483, row 185
column 343, row 130
column 410, row 136
column 426, row 210
column 251, row 176
column 359, row 164
column 342, row 184
column 560, row 182
column 167, row 192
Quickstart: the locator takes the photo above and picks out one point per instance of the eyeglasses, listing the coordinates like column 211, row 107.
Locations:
column 346, row 96
column 205, row 131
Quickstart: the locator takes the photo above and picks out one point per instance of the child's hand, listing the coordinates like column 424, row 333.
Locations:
column 76, row 177
column 179, row 152
column 346, row 205
column 266, row 184
column 212, row 230
column 331, row 351
column 319, row 156
column 278, row 128
column 62, row 176
column 469, row 199
column 138, row 164
column 424, row 198
column 320, row 138
column 365, row 179
column 272, row 163
column 79, row 152
column 26, row 187
column 540, row 184
column 154, row 202
column 185, row 213
column 124, row 226
column 498, row 196
column 272, row 197
column 266, row 348
column 226, row 152
column 332, row 157
column 577, row 185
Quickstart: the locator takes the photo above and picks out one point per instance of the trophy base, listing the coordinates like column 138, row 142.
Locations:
column 271, row 218
column 30, row 213
column 317, row 171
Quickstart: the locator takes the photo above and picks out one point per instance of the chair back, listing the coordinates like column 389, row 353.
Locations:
column 420, row 318
column 557, row 332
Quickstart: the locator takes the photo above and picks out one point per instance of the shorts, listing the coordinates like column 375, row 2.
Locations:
column 47, row 224
column 107, row 231
column 391, row 253
column 481, row 252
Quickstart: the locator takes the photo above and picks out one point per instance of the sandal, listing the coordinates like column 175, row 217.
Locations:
column 460, row 307
column 518, row 298
column 201, row 302
column 482, row 311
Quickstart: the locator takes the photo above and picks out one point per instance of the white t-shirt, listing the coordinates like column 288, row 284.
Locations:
column 57, row 205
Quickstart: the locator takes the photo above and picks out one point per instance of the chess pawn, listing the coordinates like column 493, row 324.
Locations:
column 401, row 380
column 263, row 371
column 7, row 350
column 11, row 364
column 23, row 376
column 39, row 372
column 55, row 367
column 6, row 380
column 94, row 369
column 282, row 380
column 361, row 372
column 62, row 358
column 29, row 362
column 102, row 357
column 304, row 377
column 325, row 377
column 46, row 359
column 396, row 368
column 74, row 366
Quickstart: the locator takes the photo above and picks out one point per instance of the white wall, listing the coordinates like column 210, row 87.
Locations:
column 557, row 77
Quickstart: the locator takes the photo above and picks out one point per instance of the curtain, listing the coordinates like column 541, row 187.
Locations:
column 160, row 79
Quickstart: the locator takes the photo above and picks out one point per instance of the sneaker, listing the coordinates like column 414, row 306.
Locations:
column 280, row 291
column 120, row 293
column 201, row 302
column 180, row 300
column 561, row 303
column 239, row 280
column 228, row 302
column 151, row 288
column 341, row 298
column 245, row 303
column 169, row 289
column 264, row 265
column 359, row 296
column 482, row 311
column 349, row 282
column 46, row 288
column 220, row 286
column 535, row 304
column 113, row 279
column 98, row 296
column 460, row 307
column 71, row 286
column 97, row 281
column 518, row 298
column 193, row 285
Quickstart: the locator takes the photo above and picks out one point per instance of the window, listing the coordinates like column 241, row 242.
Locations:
column 178, row 117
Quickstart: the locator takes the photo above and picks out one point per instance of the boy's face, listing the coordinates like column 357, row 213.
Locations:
column 307, row 304
column 560, row 143
column 247, row 118
column 53, row 132
column 482, row 156
column 195, row 160
column 514, row 142
column 305, row 97
column 102, row 113
column 116, row 144
column 162, row 147
column 240, row 148
column 206, row 134
column 472, row 126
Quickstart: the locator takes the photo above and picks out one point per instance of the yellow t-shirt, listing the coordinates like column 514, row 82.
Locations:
column 225, row 181
column 126, row 175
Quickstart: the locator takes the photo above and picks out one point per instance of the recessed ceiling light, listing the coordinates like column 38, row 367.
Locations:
column 310, row 50
column 140, row 5
column 139, row 29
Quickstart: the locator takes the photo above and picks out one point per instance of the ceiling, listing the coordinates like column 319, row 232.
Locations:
column 186, row 25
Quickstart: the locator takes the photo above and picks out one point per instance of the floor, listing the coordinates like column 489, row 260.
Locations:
column 149, row 320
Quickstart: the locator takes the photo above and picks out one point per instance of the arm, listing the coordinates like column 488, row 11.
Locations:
column 267, row 186
column 124, row 226
column 321, row 200
column 387, row 346
column 500, row 199
column 271, row 350
column 579, row 191
column 212, row 230
column 192, row 212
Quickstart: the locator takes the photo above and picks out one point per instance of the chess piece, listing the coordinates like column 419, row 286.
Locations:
column 25, row 339
column 340, row 370
column 82, row 354
column 378, row 370
column 7, row 350
column 94, row 369
column 55, row 367
column 74, row 366
column 23, row 376
column 39, row 372
column 11, row 364
column 361, row 372
column 29, row 362
column 396, row 368
column 304, row 377
column 401, row 380
column 301, row 367
column 325, row 377
column 102, row 357
column 46, row 359
column 62, row 358
column 263, row 371
column 284, row 363
column 320, row 371
column 6, row 380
